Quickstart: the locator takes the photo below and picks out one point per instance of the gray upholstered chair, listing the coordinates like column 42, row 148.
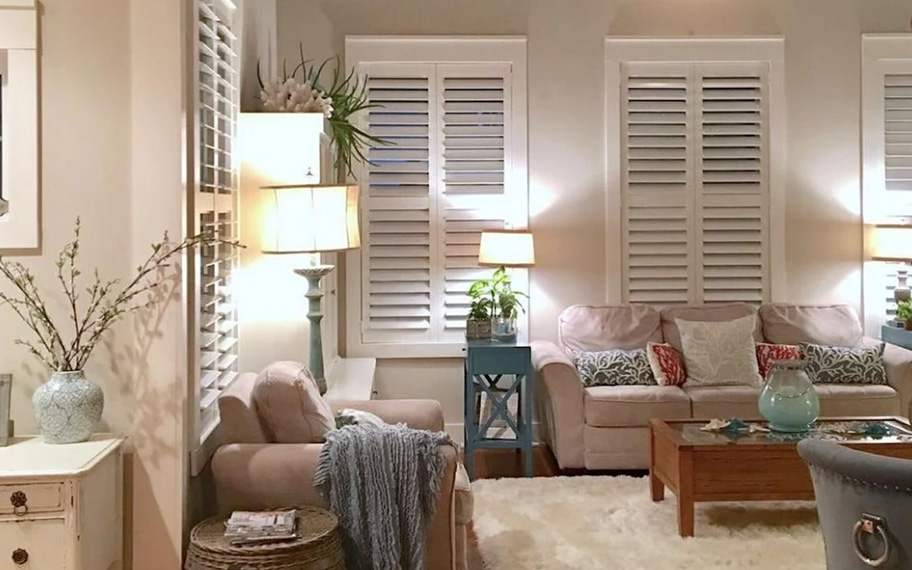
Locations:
column 865, row 506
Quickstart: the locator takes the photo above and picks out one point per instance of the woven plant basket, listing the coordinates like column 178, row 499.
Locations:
column 318, row 548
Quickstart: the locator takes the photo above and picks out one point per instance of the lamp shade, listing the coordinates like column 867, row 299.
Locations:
column 506, row 248
column 308, row 219
column 891, row 243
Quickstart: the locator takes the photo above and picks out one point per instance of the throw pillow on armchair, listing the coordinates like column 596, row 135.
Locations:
column 290, row 404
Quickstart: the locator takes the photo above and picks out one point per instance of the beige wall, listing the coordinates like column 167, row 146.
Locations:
column 567, row 138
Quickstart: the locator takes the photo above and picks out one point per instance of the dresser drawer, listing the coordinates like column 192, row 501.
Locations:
column 32, row 545
column 37, row 498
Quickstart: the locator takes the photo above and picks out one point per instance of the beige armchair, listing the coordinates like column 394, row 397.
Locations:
column 252, row 473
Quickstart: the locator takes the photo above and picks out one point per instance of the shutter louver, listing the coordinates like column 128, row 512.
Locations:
column 398, row 210
column 474, row 111
column 216, row 206
column 656, row 193
column 732, row 186
column 898, row 131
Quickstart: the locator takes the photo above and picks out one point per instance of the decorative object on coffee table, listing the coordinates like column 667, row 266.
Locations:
column 68, row 406
column 788, row 400
column 319, row 546
column 312, row 219
column 701, row 466
column 503, row 249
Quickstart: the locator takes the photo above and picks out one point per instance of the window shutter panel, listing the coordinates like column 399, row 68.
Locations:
column 656, row 193
column 898, row 131
column 474, row 109
column 216, row 206
column 732, row 182
column 398, row 210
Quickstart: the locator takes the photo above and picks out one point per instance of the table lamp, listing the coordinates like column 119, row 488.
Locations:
column 891, row 242
column 503, row 249
column 312, row 219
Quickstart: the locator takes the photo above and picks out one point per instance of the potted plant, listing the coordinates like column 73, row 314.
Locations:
column 904, row 313
column 478, row 322
column 503, row 303
column 68, row 406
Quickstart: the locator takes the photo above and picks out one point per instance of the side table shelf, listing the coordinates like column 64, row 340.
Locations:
column 498, row 370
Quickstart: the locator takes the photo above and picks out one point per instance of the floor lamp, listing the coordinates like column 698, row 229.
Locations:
column 312, row 219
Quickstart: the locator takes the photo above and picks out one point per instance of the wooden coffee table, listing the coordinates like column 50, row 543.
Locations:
column 701, row 466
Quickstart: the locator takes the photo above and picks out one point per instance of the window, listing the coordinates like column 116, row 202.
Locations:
column 693, row 190
column 215, row 209
column 887, row 149
column 454, row 111
column 19, row 125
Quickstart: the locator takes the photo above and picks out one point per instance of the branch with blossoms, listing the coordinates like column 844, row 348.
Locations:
column 91, row 309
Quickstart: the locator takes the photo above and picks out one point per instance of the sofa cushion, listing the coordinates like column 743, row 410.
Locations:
column 720, row 353
column 629, row 406
column 834, row 325
column 836, row 400
column 290, row 404
column 724, row 402
column 585, row 327
column 614, row 368
column 841, row 365
column 704, row 313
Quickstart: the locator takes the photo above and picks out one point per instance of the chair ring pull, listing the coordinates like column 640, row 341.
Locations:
column 871, row 524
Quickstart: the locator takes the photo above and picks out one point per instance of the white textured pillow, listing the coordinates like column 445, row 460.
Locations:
column 720, row 353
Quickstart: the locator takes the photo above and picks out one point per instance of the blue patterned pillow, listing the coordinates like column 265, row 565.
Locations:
column 839, row 365
column 615, row 368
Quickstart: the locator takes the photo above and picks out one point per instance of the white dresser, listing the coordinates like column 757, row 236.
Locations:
column 61, row 505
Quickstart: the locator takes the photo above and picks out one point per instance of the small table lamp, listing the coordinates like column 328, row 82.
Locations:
column 502, row 249
column 312, row 219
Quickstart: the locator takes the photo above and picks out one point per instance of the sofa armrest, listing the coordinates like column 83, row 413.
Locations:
column 416, row 414
column 898, row 362
column 559, row 394
column 254, row 476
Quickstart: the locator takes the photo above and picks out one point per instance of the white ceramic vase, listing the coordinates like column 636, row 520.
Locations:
column 67, row 407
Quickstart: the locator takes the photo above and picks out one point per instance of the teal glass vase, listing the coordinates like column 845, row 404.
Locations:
column 788, row 400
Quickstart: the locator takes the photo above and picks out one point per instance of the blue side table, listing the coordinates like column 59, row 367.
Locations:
column 498, row 370
column 896, row 335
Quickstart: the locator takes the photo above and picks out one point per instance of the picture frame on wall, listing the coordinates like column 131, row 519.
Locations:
column 6, row 388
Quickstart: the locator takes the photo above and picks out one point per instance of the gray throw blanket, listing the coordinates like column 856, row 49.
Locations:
column 382, row 483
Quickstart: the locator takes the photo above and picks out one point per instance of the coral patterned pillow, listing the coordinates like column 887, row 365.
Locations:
column 767, row 353
column 666, row 364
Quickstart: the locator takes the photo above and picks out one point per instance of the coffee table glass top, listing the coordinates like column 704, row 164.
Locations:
column 848, row 431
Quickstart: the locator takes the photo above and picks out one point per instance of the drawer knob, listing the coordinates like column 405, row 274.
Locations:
column 19, row 502
column 20, row 556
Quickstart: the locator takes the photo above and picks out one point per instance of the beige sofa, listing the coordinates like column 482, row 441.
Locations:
column 252, row 473
column 604, row 427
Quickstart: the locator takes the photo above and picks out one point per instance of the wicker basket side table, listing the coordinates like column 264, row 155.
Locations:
column 318, row 548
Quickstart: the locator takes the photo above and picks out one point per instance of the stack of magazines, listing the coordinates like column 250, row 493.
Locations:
column 250, row 527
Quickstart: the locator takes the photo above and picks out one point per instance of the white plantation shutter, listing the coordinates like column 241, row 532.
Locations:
column 732, row 186
column 397, row 208
column 695, row 183
column 474, row 145
column 657, row 195
column 215, row 207
column 898, row 131
column 430, row 194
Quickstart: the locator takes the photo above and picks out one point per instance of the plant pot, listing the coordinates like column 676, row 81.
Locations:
column 67, row 407
column 503, row 329
column 908, row 325
column 478, row 329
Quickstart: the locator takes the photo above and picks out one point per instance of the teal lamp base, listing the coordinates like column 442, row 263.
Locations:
column 315, row 316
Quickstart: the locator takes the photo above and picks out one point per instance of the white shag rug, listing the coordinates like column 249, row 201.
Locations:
column 610, row 523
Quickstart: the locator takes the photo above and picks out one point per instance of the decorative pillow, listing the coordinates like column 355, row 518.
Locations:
column 768, row 352
column 614, row 368
column 839, row 365
column 349, row 417
column 290, row 404
column 720, row 353
column 666, row 364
